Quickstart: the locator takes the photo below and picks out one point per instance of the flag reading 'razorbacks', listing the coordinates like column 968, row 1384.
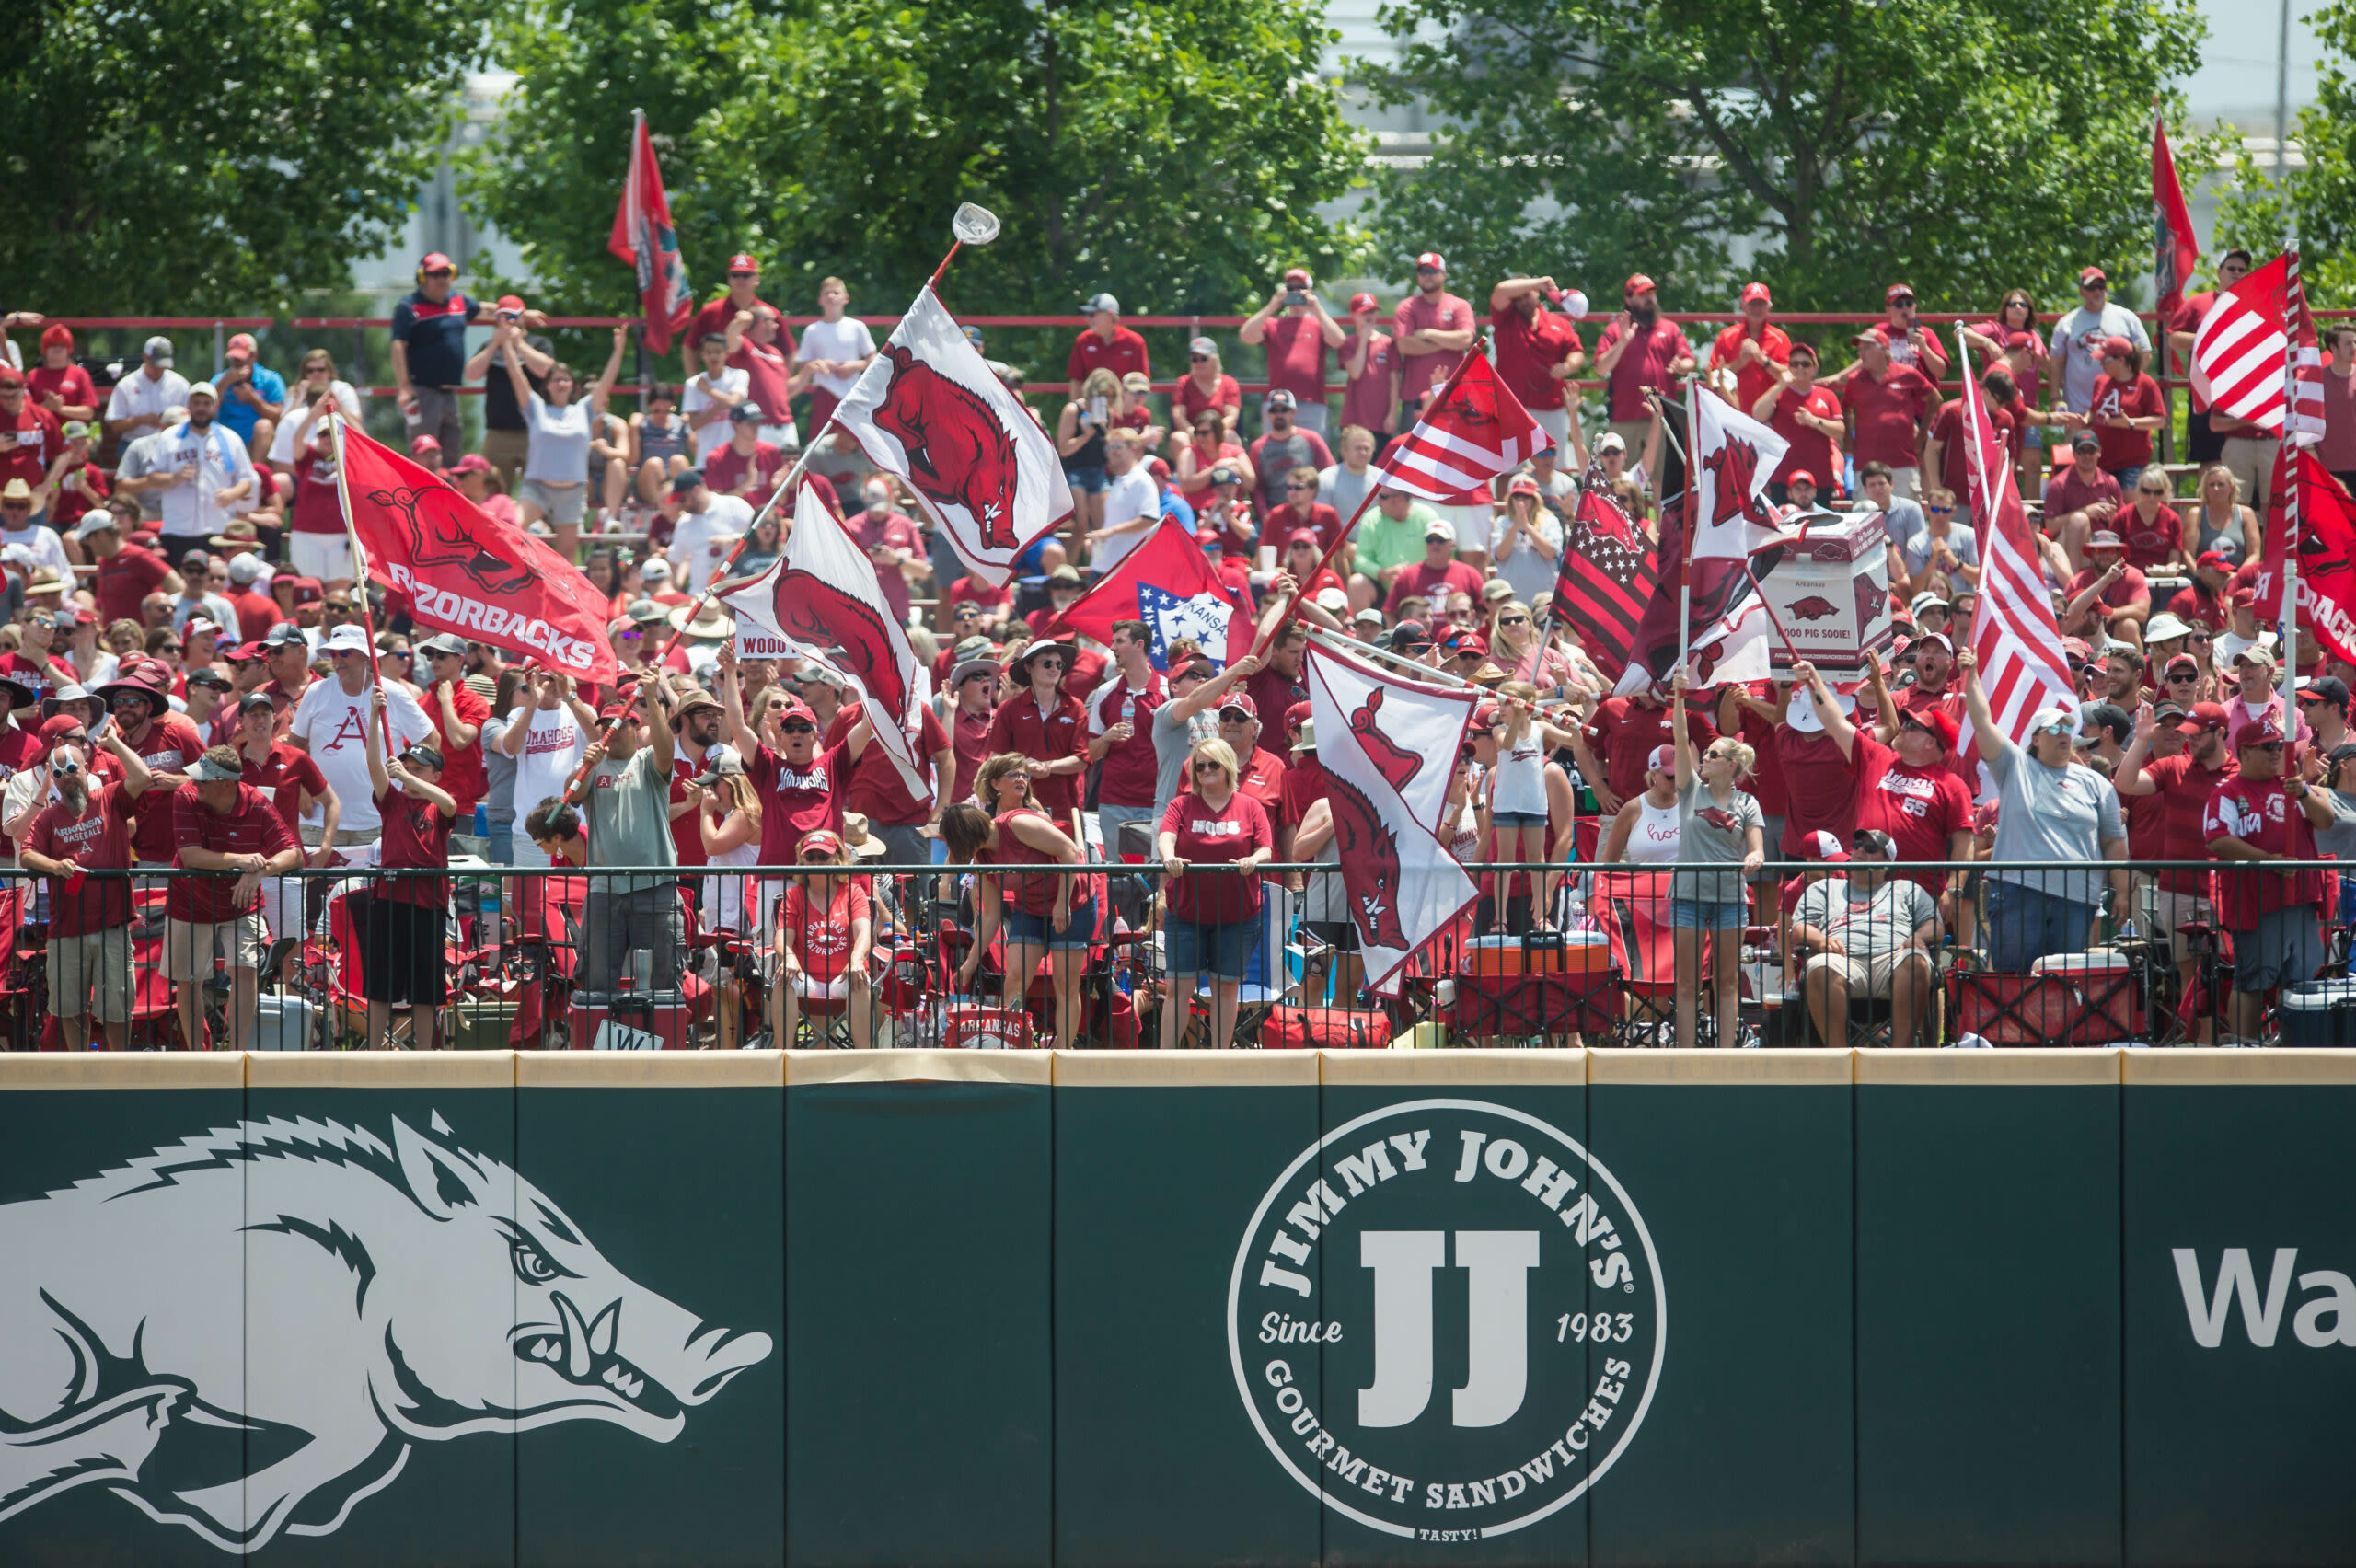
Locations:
column 1168, row 584
column 1474, row 432
column 928, row 410
column 465, row 572
column 2312, row 506
column 822, row 596
column 1388, row 749
column 643, row 237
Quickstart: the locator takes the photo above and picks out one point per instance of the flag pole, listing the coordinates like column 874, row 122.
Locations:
column 1686, row 498
column 359, row 570
column 1480, row 347
column 1334, row 644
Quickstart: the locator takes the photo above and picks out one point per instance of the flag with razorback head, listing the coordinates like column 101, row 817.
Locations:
column 463, row 571
column 1168, row 584
column 643, row 236
column 1473, row 432
column 929, row 411
column 1389, row 748
column 822, row 597
column 2312, row 508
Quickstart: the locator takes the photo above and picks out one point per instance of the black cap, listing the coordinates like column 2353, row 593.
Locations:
column 256, row 700
column 208, row 675
column 421, row 755
column 2325, row 688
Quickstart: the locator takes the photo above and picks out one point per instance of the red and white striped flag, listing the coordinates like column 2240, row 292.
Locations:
column 1474, row 431
column 2304, row 361
column 2241, row 351
column 2022, row 664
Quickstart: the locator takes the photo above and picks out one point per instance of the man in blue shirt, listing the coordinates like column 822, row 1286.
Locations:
column 430, row 352
column 253, row 397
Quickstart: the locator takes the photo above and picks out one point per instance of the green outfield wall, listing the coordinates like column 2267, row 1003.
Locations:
column 1128, row 1309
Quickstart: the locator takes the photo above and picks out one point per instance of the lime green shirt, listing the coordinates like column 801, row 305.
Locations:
column 1382, row 543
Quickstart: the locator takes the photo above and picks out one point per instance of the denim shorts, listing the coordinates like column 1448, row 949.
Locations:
column 1692, row 915
column 1219, row 948
column 1519, row 819
column 1039, row 930
column 1091, row 481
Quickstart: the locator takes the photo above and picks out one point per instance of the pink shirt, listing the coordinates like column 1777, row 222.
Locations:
column 1419, row 313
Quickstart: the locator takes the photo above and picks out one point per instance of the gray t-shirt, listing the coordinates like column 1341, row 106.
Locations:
column 1711, row 835
column 1172, row 738
column 498, row 770
column 2339, row 840
column 2054, row 816
column 1866, row 924
column 627, row 814
column 1915, row 550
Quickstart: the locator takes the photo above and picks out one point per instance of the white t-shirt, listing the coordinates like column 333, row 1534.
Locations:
column 559, row 438
column 837, row 341
column 553, row 747
column 700, row 540
column 46, row 548
column 713, row 436
column 221, row 461
column 334, row 724
column 297, row 426
column 136, row 395
column 1128, row 497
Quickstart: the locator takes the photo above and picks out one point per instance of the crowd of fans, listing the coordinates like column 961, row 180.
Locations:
column 190, row 674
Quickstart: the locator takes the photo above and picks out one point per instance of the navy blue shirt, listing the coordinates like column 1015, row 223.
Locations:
column 436, row 331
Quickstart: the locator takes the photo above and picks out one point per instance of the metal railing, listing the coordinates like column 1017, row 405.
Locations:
column 487, row 955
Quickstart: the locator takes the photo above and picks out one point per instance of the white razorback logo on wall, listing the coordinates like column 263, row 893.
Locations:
column 317, row 1300
column 1458, row 1244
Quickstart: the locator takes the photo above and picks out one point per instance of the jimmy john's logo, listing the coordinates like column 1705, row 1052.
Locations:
column 1446, row 1320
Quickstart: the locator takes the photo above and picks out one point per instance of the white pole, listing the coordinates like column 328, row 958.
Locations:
column 1983, row 514
column 1334, row 644
column 1685, row 580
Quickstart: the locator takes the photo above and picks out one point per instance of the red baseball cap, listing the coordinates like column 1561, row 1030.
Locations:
column 1304, row 536
column 424, row 445
column 2244, row 596
column 1638, row 284
column 2092, row 276
column 2256, row 731
column 510, row 303
column 1296, row 716
column 1433, row 259
column 472, row 463
column 740, row 262
column 1894, row 293
column 1799, row 476
column 622, row 708
column 1238, row 699
column 2205, row 716
column 1297, row 277
column 1363, row 302
column 436, row 262
column 2217, row 558
column 1757, row 292
column 796, row 709
column 56, row 332
column 1820, row 846
column 241, row 343
column 1937, row 721
column 2116, row 348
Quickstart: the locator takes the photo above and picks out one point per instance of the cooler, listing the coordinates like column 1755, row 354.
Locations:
column 2103, row 984
column 284, row 1021
column 1539, row 952
column 2319, row 1015
column 629, row 1020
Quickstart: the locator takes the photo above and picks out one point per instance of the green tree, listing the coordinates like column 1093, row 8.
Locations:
column 1173, row 154
column 1964, row 146
column 215, row 154
column 2316, row 201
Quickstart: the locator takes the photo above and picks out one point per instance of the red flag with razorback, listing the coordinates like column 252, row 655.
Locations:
column 465, row 572
column 643, row 236
column 1389, row 748
column 2315, row 507
column 1167, row 583
column 1471, row 433
column 2175, row 251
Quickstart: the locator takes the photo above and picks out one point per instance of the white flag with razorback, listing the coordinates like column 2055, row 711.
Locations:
column 1730, row 522
column 1389, row 748
column 928, row 410
column 822, row 599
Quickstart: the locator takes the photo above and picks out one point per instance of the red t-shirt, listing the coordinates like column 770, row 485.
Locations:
column 2129, row 586
column 1296, row 347
column 2186, row 787
column 462, row 768
column 1646, row 364
column 877, row 791
column 1432, row 583
column 250, row 826
column 1891, row 413
column 30, row 439
column 1821, row 786
column 1124, row 353
column 686, row 828
column 284, row 780
column 416, row 834
column 1216, row 838
column 1029, row 895
column 72, row 385
column 712, row 320
column 724, row 469
column 2066, row 492
column 2196, row 606
column 1920, row 808
column 1419, row 313
column 1199, row 498
column 126, row 577
column 1766, row 783
column 796, row 800
column 70, row 505
column 1954, row 451
column 1527, row 350
column 1623, row 733
column 819, row 483
column 1751, row 383
column 968, row 590
column 2151, row 541
column 1019, row 726
column 769, row 371
column 1320, row 519
column 1366, row 403
column 2138, row 399
column 316, row 508
column 820, row 934
column 256, row 612
column 1811, row 449
column 1127, row 773
column 970, row 735
column 2264, row 817
column 98, row 839
column 1193, row 402
column 171, row 745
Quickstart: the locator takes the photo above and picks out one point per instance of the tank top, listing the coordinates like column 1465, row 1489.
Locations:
column 1028, row 894
column 2226, row 540
column 1653, row 840
column 664, row 441
column 1091, row 452
column 1521, row 777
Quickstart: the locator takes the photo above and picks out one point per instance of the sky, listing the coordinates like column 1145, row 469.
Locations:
column 2236, row 77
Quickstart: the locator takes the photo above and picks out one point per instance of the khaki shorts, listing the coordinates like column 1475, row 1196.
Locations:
column 1866, row 977
column 191, row 946
column 90, row 974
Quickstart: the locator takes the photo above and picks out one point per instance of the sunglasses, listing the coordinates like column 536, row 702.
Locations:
column 2185, row 680
column 632, row 636
column 2310, row 701
column 1202, row 359
column 1513, row 620
column 1209, row 767
column 16, row 506
column 1939, row 511
column 1047, row 664
column 1292, row 484
column 2200, row 637
column 800, row 729
column 2264, row 746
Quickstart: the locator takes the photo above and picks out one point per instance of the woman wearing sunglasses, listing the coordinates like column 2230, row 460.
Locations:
column 825, row 932
column 1045, row 917
column 2220, row 521
column 1212, row 916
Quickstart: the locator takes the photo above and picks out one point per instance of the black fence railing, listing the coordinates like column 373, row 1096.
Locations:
column 1797, row 955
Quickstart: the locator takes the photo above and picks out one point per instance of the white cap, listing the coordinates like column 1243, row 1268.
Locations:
column 1801, row 713
column 347, row 638
column 1440, row 528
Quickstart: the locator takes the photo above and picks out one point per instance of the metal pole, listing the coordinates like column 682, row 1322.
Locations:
column 2282, row 93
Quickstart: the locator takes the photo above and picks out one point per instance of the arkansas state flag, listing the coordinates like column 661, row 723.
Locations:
column 1389, row 748
column 2310, row 505
column 1169, row 585
column 822, row 596
column 465, row 572
column 929, row 411
column 643, row 237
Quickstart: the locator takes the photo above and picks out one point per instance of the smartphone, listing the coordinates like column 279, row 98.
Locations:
column 1096, row 411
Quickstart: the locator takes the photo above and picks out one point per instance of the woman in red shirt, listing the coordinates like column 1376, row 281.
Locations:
column 827, row 930
column 2127, row 407
column 1204, row 449
column 1205, row 388
column 1212, row 917
column 404, row 965
column 1041, row 914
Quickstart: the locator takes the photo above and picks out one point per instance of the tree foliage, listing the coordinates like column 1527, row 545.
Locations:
column 1173, row 154
column 1965, row 146
column 2317, row 201
column 215, row 154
